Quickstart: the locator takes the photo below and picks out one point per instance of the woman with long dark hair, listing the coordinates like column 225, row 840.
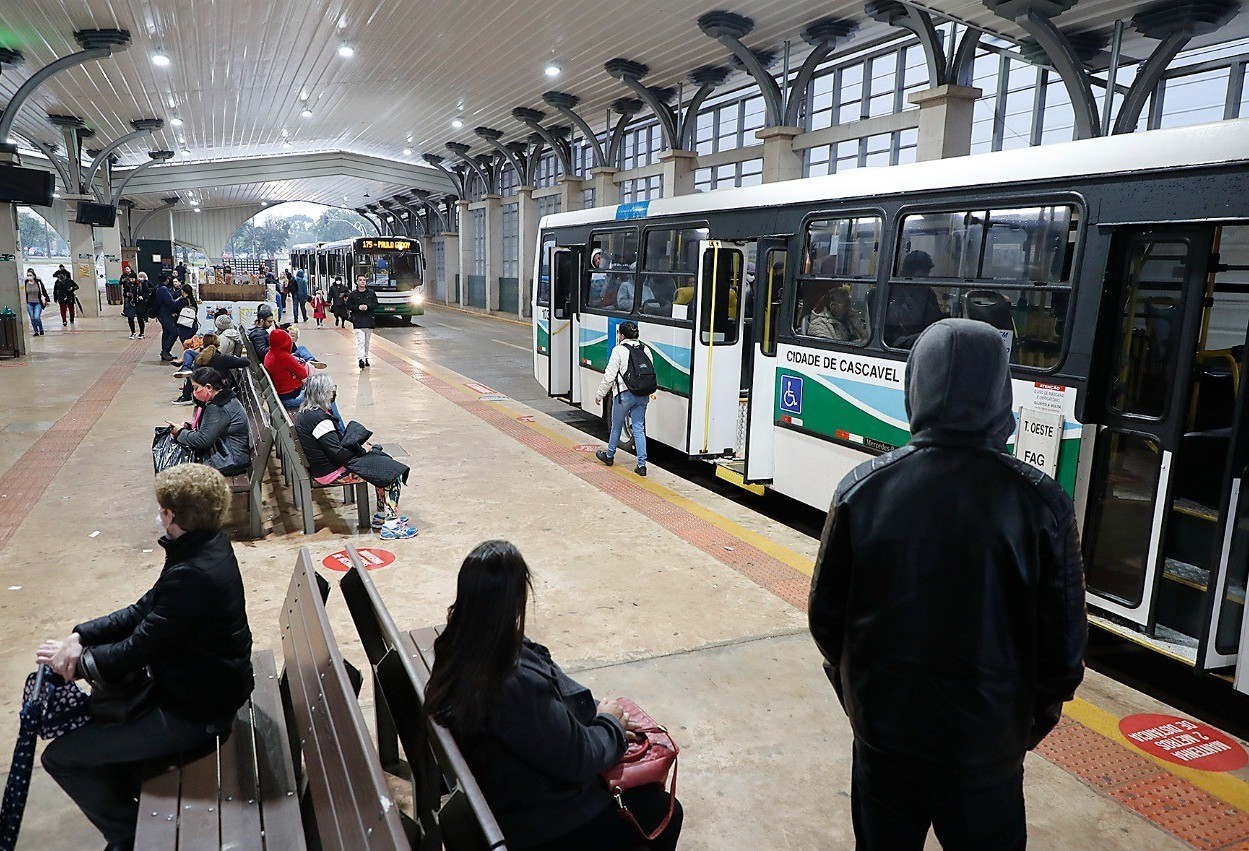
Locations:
column 535, row 739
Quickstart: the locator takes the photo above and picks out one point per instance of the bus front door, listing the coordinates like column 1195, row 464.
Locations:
column 565, row 268
column 1138, row 491
column 716, row 416
column 765, row 301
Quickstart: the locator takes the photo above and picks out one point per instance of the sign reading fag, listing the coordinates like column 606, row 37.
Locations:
column 1038, row 440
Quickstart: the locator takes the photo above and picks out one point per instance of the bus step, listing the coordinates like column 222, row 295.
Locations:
column 1181, row 598
column 1181, row 648
column 733, row 470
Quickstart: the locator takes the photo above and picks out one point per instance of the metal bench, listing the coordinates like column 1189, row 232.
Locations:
column 346, row 796
column 238, row 794
column 450, row 808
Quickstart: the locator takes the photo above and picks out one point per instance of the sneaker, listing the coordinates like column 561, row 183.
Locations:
column 142, row 336
column 393, row 530
column 184, row 401
column 380, row 520
column 362, row 363
column 64, row 324
column 182, row 373
column 366, row 362
column 319, row 364
column 132, row 336
column 640, row 470
column 604, row 457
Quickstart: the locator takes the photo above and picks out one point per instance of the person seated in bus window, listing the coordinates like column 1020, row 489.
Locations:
column 911, row 307
column 598, row 278
column 663, row 291
column 835, row 318
column 624, row 294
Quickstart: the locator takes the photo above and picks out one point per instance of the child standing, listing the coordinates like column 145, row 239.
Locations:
column 318, row 307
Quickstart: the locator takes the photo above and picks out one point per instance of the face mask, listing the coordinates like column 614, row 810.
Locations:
column 203, row 394
column 160, row 522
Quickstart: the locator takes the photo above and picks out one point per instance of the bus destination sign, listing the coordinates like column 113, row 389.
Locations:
column 393, row 244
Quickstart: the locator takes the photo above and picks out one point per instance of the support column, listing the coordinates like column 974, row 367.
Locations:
column 466, row 250
column 780, row 160
column 606, row 190
column 82, row 250
column 110, row 240
column 493, row 220
column 527, row 236
column 12, row 293
column 451, row 264
column 945, row 117
column 570, row 197
column 678, row 172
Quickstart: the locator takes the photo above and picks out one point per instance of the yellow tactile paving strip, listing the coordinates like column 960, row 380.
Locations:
column 1203, row 809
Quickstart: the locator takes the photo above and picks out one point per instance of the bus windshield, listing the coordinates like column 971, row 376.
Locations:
column 393, row 270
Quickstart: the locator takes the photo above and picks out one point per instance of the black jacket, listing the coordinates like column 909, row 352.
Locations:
column 260, row 341
column 63, row 290
column 948, row 595
column 323, row 443
column 539, row 766
column 222, row 439
column 362, row 318
column 226, row 365
column 191, row 628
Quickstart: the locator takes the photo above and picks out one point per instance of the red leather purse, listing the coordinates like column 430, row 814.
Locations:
column 644, row 763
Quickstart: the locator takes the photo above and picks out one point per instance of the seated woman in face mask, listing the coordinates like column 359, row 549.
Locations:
column 218, row 431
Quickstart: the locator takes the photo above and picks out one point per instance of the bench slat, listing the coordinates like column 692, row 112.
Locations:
column 198, row 814
column 240, row 807
column 275, row 769
column 157, row 829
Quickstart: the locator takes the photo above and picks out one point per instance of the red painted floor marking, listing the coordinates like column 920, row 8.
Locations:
column 372, row 558
column 1183, row 742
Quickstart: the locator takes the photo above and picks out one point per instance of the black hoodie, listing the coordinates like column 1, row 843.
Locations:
column 948, row 595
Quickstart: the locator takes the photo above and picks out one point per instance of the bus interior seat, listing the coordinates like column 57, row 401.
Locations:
column 989, row 306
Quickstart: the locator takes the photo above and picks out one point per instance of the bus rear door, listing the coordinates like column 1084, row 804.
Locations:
column 715, row 412
column 565, row 268
column 765, row 302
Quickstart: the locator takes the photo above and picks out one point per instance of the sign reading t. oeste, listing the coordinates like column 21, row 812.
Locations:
column 370, row 557
column 1184, row 742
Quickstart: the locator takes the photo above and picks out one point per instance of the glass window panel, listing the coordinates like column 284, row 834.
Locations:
column 1034, row 244
column 772, row 282
column 941, row 245
column 982, row 125
column 673, row 250
column 1195, row 98
column 1123, row 505
column 610, row 263
column 1244, row 93
column 916, row 74
column 834, row 310
column 842, row 248
column 723, row 269
column 544, row 271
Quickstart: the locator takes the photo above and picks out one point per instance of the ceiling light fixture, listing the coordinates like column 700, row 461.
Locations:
column 305, row 113
column 197, row 209
column 175, row 122
column 551, row 70
column 303, row 94
column 407, row 152
column 286, row 144
column 346, row 51
column 160, row 59
column 284, row 134
column 457, row 123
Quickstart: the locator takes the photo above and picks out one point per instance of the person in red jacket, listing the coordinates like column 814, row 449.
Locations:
column 288, row 374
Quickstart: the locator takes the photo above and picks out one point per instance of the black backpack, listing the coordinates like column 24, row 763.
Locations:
column 639, row 375
column 151, row 305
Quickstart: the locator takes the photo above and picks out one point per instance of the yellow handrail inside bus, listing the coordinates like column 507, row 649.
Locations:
column 711, row 342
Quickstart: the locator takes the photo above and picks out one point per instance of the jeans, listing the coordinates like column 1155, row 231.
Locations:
column 894, row 802
column 184, row 333
column 168, row 336
column 635, row 408
column 35, row 311
column 302, row 354
column 99, row 766
column 363, row 337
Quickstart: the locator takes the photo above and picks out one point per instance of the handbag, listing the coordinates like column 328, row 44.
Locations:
column 58, row 707
column 644, row 763
column 117, row 702
column 186, row 317
column 168, row 452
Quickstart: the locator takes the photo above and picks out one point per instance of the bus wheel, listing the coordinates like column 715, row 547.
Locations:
column 626, row 431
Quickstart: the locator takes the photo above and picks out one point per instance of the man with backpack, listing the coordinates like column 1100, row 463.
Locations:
column 630, row 375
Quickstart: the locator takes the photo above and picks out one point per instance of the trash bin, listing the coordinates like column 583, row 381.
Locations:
column 10, row 342
column 113, row 293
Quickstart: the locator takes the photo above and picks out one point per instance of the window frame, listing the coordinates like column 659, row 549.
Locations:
column 583, row 284
column 670, row 226
column 786, row 329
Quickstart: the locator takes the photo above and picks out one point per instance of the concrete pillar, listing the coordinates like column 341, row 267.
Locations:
column 780, row 160
column 493, row 219
column 110, row 240
column 12, row 294
column 466, row 248
column 527, row 230
column 570, row 194
column 678, row 172
column 451, row 257
column 606, row 190
column 82, row 250
column 945, row 116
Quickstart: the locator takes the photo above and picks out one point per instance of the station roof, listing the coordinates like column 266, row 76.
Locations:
column 241, row 73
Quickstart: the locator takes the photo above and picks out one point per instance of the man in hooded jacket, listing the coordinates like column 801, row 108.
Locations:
column 948, row 601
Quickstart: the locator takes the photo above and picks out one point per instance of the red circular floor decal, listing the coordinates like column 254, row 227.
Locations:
column 1183, row 742
column 372, row 558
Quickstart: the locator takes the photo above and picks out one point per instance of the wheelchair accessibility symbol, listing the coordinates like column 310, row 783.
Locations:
column 791, row 394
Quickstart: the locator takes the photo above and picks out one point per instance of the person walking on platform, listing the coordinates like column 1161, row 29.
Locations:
column 625, row 401
column 167, row 316
column 301, row 297
column 63, row 294
column 338, row 302
column 134, row 300
column 948, row 602
column 36, row 300
column 360, row 306
column 188, row 633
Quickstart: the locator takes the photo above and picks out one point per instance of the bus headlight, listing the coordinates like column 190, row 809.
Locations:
column 416, row 298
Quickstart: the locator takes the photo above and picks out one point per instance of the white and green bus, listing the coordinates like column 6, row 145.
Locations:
column 1116, row 270
column 393, row 266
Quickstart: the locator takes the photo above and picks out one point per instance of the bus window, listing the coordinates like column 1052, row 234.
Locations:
column 772, row 279
column 839, row 270
column 544, row 271
column 722, row 285
column 611, row 263
column 669, row 266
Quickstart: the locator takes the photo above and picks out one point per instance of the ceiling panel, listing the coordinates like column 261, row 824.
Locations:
column 238, row 68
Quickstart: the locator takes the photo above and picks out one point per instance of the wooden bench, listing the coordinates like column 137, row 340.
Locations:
column 345, row 793
column 238, row 794
column 291, row 455
column 260, row 430
column 450, row 808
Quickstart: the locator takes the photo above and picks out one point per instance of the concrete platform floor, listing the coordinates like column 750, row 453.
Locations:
column 654, row 589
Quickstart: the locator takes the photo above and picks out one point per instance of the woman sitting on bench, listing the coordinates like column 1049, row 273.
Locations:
column 189, row 632
column 535, row 740
column 336, row 453
column 218, row 432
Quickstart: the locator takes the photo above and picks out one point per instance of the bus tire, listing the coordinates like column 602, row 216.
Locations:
column 626, row 432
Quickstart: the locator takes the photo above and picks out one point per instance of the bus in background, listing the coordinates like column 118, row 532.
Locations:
column 393, row 266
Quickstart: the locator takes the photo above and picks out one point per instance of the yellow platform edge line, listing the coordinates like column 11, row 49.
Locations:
column 781, row 553
column 1226, row 787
